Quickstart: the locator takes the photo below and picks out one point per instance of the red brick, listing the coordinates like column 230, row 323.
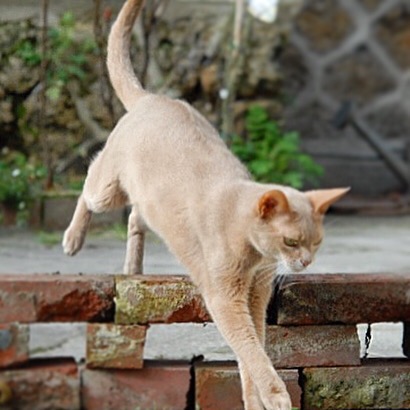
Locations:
column 65, row 298
column 115, row 346
column 14, row 340
column 157, row 299
column 375, row 385
column 157, row 386
column 42, row 386
column 307, row 346
column 218, row 386
column 307, row 299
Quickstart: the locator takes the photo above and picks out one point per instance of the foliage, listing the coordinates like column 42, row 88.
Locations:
column 20, row 180
column 66, row 57
column 273, row 155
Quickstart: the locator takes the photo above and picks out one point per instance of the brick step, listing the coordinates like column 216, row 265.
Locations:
column 122, row 346
column 308, row 299
column 63, row 385
column 303, row 299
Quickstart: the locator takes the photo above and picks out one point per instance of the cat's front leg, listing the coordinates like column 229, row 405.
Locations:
column 227, row 302
column 259, row 296
column 250, row 395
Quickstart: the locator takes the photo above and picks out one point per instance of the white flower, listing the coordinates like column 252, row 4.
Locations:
column 223, row 93
column 265, row 10
column 16, row 172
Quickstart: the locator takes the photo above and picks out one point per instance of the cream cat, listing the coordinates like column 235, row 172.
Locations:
column 230, row 232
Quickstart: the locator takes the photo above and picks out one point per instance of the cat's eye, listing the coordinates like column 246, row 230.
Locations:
column 293, row 243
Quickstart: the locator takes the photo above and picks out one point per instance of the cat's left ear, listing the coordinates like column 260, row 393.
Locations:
column 271, row 203
column 322, row 199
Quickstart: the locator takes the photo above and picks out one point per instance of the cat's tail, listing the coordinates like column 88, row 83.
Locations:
column 125, row 82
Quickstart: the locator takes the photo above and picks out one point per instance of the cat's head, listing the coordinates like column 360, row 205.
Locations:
column 289, row 226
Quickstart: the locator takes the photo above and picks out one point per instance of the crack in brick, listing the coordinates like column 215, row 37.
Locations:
column 367, row 340
column 191, row 393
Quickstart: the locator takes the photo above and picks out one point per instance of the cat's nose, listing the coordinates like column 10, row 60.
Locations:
column 306, row 262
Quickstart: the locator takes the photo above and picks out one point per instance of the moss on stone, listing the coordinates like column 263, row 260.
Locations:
column 143, row 301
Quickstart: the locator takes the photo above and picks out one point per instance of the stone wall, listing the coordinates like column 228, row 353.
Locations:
column 355, row 50
column 311, row 338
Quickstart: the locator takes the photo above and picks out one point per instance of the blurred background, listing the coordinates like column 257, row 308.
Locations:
column 306, row 92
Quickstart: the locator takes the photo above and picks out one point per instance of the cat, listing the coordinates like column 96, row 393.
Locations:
column 231, row 233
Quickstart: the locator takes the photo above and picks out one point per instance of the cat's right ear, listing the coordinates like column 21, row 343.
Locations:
column 271, row 203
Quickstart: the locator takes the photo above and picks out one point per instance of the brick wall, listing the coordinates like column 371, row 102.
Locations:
column 312, row 339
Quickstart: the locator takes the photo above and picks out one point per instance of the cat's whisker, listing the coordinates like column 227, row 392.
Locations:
column 279, row 279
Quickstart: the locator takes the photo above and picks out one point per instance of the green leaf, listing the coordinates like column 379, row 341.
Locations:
column 271, row 154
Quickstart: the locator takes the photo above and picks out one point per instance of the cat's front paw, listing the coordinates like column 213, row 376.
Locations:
column 277, row 401
column 72, row 241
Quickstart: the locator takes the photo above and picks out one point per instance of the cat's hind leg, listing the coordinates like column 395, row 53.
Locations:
column 75, row 234
column 101, row 193
column 135, row 243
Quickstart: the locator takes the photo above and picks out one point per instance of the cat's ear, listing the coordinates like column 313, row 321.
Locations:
column 322, row 199
column 271, row 203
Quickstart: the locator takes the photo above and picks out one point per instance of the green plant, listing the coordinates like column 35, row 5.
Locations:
column 273, row 155
column 20, row 179
column 67, row 55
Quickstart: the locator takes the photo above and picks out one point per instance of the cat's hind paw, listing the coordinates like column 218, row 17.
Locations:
column 72, row 241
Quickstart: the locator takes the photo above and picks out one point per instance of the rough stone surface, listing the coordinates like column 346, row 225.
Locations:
column 394, row 32
column 157, row 299
column 371, row 4
column 358, row 77
column 218, row 386
column 391, row 121
column 324, row 24
column 68, row 298
column 14, row 347
column 157, row 386
column 307, row 299
column 42, row 386
column 309, row 346
column 372, row 386
column 115, row 346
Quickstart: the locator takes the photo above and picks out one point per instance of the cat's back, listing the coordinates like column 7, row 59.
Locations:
column 170, row 135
